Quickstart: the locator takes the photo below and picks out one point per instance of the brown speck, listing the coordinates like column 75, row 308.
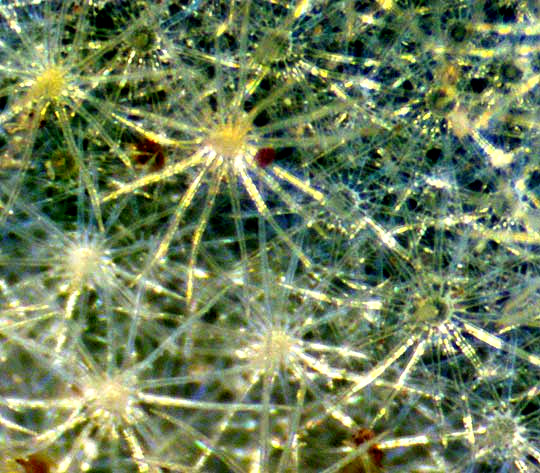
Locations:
column 148, row 152
column 35, row 464
column 372, row 463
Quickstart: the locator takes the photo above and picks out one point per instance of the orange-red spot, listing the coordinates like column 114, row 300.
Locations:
column 265, row 156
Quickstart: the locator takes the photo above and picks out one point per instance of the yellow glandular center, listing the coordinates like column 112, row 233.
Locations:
column 49, row 85
column 230, row 139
